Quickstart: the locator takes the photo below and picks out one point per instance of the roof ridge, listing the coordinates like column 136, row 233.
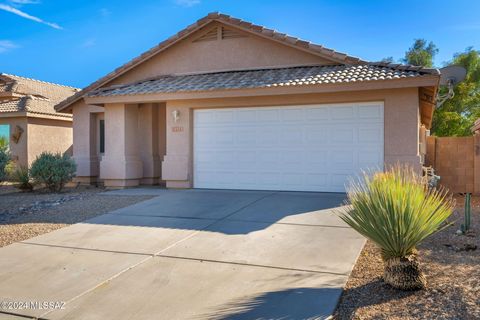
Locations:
column 36, row 80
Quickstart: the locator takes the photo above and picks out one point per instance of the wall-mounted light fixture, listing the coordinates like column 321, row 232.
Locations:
column 176, row 115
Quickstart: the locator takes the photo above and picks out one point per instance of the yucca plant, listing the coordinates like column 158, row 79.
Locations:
column 396, row 210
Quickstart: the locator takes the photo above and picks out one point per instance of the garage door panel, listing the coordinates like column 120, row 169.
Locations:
column 370, row 111
column 268, row 136
column 317, row 181
column 245, row 136
column 206, row 117
column 317, row 135
column 344, row 112
column 346, row 135
column 292, row 115
column 224, row 116
column 317, row 113
column 372, row 134
column 268, row 115
column 298, row 148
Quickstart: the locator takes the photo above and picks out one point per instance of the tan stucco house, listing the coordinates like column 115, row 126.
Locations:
column 228, row 104
column 28, row 119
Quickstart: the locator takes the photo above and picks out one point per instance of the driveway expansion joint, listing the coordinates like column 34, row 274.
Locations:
column 20, row 315
column 84, row 249
column 250, row 265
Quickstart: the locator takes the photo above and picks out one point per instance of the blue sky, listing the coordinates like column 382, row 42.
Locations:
column 76, row 42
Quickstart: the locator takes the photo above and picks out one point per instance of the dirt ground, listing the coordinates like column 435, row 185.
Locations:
column 453, row 274
column 24, row 215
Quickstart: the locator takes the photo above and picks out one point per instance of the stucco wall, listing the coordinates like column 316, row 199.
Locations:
column 401, row 126
column 48, row 135
column 85, row 149
column 247, row 52
column 18, row 150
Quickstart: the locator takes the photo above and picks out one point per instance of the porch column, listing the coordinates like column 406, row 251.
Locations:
column 121, row 165
column 84, row 144
column 148, row 126
column 176, row 166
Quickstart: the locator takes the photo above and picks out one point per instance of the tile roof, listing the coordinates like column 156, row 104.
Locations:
column 30, row 95
column 264, row 78
column 31, row 104
column 317, row 49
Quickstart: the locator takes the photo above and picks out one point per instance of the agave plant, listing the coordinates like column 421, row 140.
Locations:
column 396, row 210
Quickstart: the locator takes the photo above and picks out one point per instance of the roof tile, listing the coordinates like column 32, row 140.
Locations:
column 261, row 78
column 30, row 95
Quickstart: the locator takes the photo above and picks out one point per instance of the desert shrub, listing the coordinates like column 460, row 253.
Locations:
column 53, row 170
column 5, row 159
column 21, row 176
column 396, row 210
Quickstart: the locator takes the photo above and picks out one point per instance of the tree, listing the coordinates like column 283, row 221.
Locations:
column 421, row 53
column 457, row 115
column 387, row 60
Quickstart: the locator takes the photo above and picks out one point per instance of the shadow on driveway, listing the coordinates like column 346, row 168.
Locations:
column 295, row 303
column 202, row 209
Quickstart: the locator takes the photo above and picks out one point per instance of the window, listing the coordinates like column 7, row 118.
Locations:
column 102, row 136
column 4, row 134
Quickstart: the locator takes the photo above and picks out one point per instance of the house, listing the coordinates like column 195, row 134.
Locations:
column 229, row 104
column 28, row 119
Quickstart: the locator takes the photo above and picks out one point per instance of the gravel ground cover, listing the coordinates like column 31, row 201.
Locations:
column 29, row 214
column 451, row 264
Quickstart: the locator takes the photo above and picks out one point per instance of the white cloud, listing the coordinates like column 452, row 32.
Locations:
column 6, row 45
column 21, row 2
column 27, row 16
column 187, row 3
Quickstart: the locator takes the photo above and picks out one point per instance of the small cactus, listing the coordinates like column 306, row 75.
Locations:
column 467, row 217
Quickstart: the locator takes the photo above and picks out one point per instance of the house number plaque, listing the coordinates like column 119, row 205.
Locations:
column 177, row 129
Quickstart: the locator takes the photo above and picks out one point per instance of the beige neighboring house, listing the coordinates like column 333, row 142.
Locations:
column 28, row 118
column 229, row 104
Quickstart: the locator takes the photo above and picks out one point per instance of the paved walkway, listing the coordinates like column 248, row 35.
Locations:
column 203, row 254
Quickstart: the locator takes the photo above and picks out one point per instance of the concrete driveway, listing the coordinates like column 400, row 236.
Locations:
column 203, row 254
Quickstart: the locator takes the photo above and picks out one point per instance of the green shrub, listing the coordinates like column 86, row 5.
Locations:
column 5, row 158
column 53, row 170
column 3, row 142
column 396, row 210
column 21, row 176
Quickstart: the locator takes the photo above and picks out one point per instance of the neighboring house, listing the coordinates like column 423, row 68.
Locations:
column 28, row 119
column 229, row 104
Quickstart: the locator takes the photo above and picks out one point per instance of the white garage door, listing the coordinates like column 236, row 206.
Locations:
column 298, row 148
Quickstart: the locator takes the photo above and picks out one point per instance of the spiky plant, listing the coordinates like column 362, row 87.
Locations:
column 396, row 210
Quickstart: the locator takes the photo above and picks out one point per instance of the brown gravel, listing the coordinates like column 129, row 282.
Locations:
column 453, row 276
column 26, row 215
